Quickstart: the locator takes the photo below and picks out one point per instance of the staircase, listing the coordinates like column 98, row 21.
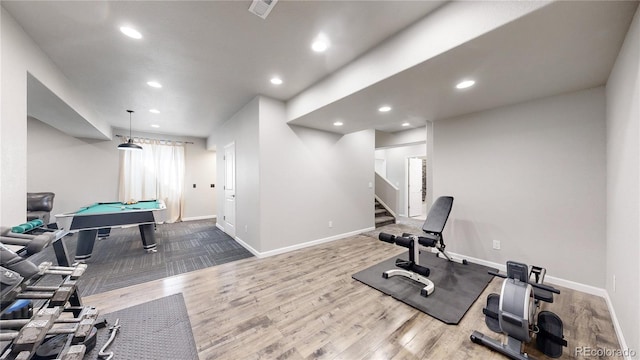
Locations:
column 383, row 217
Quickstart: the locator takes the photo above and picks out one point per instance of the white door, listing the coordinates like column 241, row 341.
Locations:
column 229, row 219
column 415, row 187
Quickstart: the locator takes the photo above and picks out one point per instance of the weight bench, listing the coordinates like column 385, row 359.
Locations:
column 431, row 241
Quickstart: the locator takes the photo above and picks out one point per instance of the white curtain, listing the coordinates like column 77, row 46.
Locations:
column 156, row 172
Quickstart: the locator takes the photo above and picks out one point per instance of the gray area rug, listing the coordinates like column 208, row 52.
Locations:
column 457, row 286
column 119, row 260
column 158, row 329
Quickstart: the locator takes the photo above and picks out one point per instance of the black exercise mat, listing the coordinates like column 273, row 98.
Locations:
column 119, row 260
column 158, row 329
column 457, row 286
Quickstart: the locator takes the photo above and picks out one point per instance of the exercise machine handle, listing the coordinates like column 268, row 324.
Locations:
column 545, row 287
column 400, row 241
column 532, row 283
column 387, row 237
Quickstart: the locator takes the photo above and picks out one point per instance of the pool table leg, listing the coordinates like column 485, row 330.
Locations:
column 148, row 237
column 60, row 249
column 86, row 240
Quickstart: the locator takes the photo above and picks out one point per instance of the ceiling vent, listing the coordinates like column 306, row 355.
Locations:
column 262, row 8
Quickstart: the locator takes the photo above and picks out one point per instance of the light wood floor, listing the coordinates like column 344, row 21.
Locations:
column 305, row 305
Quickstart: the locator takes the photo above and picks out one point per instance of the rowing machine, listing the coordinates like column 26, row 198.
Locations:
column 513, row 313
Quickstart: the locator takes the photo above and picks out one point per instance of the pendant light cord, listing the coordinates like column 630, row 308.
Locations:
column 130, row 112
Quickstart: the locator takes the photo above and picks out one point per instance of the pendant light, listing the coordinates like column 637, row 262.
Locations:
column 129, row 145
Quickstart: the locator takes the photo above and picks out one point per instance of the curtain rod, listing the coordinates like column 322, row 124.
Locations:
column 146, row 138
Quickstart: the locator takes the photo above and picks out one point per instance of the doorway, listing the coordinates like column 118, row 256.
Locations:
column 229, row 218
column 417, row 187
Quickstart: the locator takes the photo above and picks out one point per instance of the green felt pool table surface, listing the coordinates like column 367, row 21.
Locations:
column 114, row 207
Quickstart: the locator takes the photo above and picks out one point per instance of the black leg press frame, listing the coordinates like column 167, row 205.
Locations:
column 432, row 241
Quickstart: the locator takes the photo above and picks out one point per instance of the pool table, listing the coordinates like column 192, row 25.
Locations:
column 89, row 219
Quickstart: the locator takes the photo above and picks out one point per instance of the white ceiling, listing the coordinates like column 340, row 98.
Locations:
column 564, row 47
column 214, row 56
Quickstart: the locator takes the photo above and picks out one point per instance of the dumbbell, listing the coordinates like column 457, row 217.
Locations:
column 27, row 226
column 32, row 246
column 17, row 263
column 74, row 272
column 57, row 295
column 33, row 243
column 34, row 330
column 7, row 231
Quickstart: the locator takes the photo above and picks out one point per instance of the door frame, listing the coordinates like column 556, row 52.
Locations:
column 406, row 185
column 229, row 210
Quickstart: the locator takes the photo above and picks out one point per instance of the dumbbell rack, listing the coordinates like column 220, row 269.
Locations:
column 60, row 311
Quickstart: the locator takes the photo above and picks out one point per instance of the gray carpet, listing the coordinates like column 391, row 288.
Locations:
column 158, row 329
column 457, row 286
column 119, row 260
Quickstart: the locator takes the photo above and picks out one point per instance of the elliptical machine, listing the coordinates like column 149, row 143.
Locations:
column 514, row 313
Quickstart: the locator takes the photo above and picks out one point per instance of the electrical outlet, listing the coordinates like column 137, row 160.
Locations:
column 246, row 228
column 496, row 244
column 330, row 223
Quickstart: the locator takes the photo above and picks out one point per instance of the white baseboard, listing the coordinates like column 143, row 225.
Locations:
column 592, row 290
column 205, row 217
column 255, row 252
column 616, row 326
column 286, row 249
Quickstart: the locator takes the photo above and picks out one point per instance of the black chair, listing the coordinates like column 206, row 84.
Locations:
column 39, row 205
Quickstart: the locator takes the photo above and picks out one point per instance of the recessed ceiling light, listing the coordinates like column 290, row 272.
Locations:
column 465, row 84
column 131, row 32
column 320, row 44
column 338, row 123
column 155, row 111
column 276, row 81
column 384, row 108
column 155, row 125
column 405, row 124
column 154, row 84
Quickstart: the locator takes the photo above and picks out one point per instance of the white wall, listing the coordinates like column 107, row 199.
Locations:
column 308, row 178
column 242, row 129
column 400, row 138
column 397, row 168
column 531, row 175
column 200, row 169
column 623, row 186
column 19, row 56
column 83, row 171
column 79, row 171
